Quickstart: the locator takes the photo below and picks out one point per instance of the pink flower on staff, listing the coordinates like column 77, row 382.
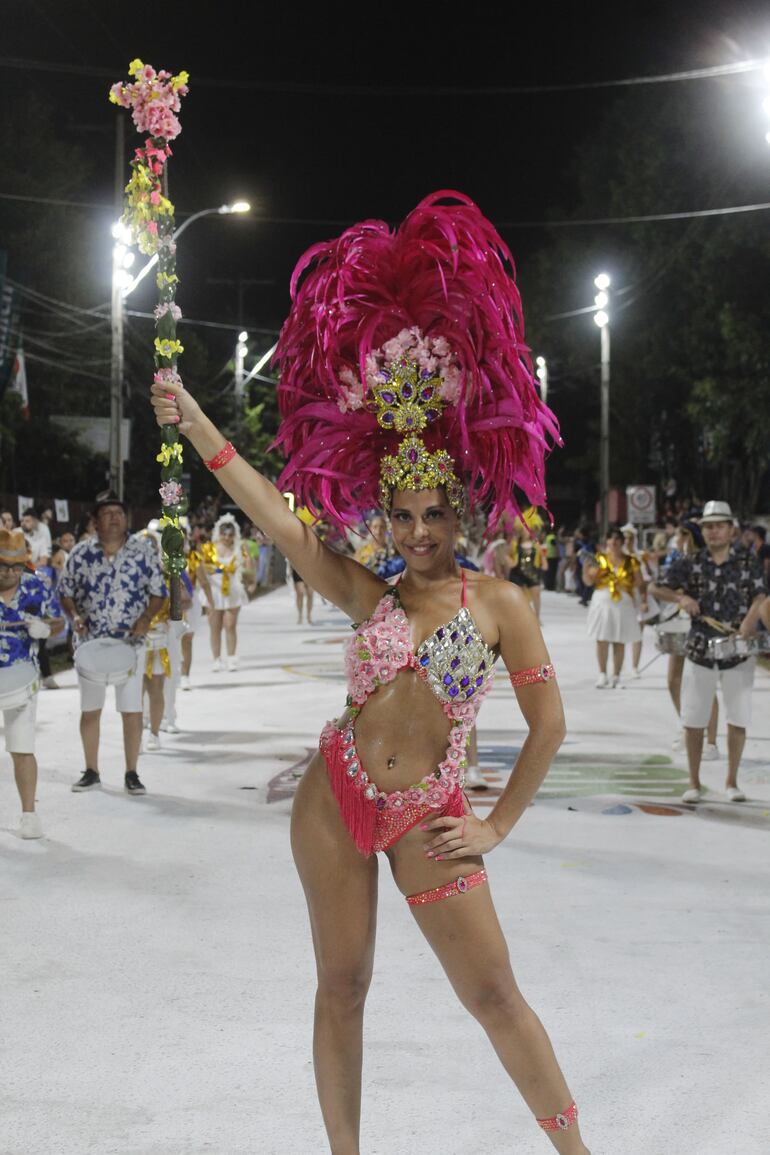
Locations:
column 171, row 492
column 161, row 310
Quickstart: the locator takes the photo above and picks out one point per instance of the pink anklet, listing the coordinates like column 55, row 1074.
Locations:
column 459, row 886
column 561, row 1121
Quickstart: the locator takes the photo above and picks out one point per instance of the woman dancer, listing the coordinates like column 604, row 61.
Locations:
column 612, row 615
column 399, row 350
column 225, row 559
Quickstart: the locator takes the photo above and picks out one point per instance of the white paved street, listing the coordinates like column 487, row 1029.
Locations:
column 158, row 976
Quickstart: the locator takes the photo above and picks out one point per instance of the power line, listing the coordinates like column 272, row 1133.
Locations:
column 317, row 222
column 311, row 88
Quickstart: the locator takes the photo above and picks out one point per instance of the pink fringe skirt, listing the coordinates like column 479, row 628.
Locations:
column 374, row 821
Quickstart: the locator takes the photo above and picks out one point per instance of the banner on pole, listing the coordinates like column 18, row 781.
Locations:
column 24, row 503
column 62, row 508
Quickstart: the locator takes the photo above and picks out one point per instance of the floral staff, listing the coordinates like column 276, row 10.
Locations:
column 155, row 99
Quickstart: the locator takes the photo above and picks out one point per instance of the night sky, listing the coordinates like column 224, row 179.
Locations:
column 325, row 119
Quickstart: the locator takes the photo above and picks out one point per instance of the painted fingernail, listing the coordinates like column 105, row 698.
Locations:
column 439, row 858
column 175, row 419
column 429, row 853
column 423, row 828
column 169, row 396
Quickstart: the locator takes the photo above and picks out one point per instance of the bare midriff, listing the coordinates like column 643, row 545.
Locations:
column 401, row 723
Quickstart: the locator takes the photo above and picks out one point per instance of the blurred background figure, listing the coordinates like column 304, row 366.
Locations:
column 616, row 578
column 200, row 592
column 227, row 561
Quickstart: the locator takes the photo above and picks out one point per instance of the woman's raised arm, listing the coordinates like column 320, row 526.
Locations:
column 337, row 578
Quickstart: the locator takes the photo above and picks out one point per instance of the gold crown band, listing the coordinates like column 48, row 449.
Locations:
column 407, row 401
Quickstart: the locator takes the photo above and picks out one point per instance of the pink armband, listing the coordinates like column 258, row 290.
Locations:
column 534, row 674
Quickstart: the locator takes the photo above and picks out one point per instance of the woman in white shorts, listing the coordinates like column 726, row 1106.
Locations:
column 616, row 577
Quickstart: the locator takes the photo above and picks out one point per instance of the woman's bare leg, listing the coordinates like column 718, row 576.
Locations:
column 341, row 891
column 602, row 653
column 618, row 654
column 636, row 654
column 216, row 618
column 299, row 594
column 187, row 650
column 465, row 934
column 309, row 605
column 231, row 631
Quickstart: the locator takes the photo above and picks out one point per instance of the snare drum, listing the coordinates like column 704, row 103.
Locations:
column 106, row 661
column 18, row 684
column 733, row 646
column 671, row 634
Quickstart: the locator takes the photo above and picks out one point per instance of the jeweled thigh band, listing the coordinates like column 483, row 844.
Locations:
column 459, row 886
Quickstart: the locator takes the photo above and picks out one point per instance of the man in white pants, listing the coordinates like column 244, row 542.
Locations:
column 719, row 586
column 29, row 613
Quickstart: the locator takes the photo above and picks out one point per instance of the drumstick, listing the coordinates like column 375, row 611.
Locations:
column 23, row 625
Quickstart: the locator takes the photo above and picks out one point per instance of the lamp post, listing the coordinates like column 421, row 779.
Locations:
column 241, row 350
column 602, row 319
column 122, row 286
column 122, row 260
column 542, row 376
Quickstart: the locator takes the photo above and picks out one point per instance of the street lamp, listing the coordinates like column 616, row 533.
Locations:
column 602, row 319
column 241, row 349
column 223, row 210
column 122, row 260
column 542, row 375
column 122, row 286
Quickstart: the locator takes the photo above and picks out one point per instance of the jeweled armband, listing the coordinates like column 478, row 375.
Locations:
column 544, row 673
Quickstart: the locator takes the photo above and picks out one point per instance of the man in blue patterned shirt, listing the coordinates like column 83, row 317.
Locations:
column 29, row 612
column 112, row 587
column 722, row 589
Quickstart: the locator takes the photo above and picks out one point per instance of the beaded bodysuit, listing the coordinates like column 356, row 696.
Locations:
column 458, row 666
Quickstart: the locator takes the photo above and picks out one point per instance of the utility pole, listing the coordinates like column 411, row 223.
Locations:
column 116, row 316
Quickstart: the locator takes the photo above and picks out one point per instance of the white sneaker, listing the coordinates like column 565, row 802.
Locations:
column 694, row 794
column 637, row 673
column 169, row 727
column 733, row 794
column 184, row 682
column 152, row 741
column 30, row 827
column 232, row 663
column 615, row 682
column 678, row 743
column 710, row 753
column 602, row 682
column 474, row 779
column 216, row 665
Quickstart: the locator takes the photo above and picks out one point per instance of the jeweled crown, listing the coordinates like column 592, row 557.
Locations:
column 407, row 401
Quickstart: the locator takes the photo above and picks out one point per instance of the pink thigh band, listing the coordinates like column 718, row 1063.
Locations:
column 459, row 886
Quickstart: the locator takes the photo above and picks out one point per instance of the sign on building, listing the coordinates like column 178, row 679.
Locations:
column 641, row 504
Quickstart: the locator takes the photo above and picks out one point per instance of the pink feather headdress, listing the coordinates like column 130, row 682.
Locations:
column 441, row 290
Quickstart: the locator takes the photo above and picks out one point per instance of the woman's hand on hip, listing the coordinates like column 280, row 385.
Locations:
column 466, row 837
column 173, row 405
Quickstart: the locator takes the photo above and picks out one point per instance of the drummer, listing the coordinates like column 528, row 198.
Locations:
column 29, row 612
column 718, row 586
column 112, row 587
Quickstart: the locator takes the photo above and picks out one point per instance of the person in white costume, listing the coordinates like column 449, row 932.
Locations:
column 226, row 560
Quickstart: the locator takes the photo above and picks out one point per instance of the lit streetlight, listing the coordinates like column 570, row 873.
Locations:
column 602, row 319
column 241, row 349
column 123, row 284
column 223, row 210
column 542, row 376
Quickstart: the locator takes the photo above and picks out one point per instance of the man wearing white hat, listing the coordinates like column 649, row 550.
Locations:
column 720, row 587
column 29, row 612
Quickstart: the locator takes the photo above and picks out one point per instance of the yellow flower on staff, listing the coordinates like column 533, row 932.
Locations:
column 166, row 348
column 165, row 520
column 169, row 453
column 178, row 81
column 136, row 67
column 164, row 280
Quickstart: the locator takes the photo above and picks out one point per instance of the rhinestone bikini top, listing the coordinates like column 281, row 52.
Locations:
column 454, row 661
